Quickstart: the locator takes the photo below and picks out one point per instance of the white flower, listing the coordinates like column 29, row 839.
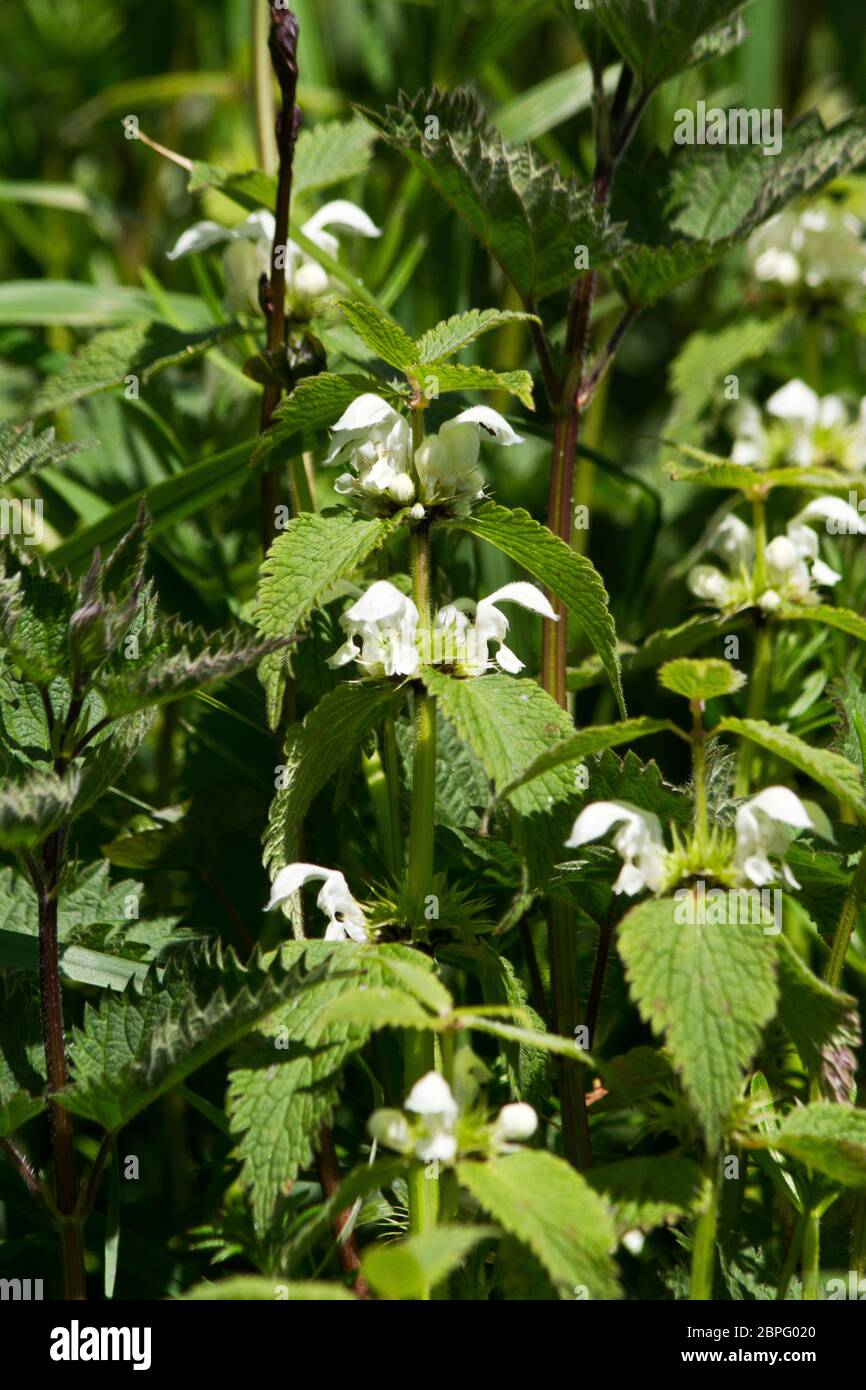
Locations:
column 447, row 462
column 638, row 842
column 386, row 621
column 764, row 826
column 492, row 626
column 248, row 254
column 820, row 248
column 431, row 1098
column 801, row 429
column 376, row 441
column 514, row 1123
column 392, row 1128
column 346, row 918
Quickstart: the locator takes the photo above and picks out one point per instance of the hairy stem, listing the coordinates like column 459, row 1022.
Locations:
column 847, row 920
column 283, row 43
column 749, row 756
column 564, row 986
column 811, row 1257
column 51, row 1000
column 699, row 777
column 704, row 1249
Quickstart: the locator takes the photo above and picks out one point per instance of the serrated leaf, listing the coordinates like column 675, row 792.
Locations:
column 456, row 333
column 753, row 482
column 724, row 192
column 137, row 1046
column 140, row 349
column 822, row 1021
column 22, row 1060
column 658, row 39
column 648, row 1192
column 316, row 402
column 508, row 722
column 709, row 990
column 550, row 1208
column 588, row 741
column 830, row 770
column 22, row 452
column 454, row 376
column 571, row 577
column 314, row 551
column 34, row 808
column 328, row 153
column 315, row 750
column 529, row 219
column 701, row 680
column 282, row 1087
column 706, row 358
column 379, row 332
column 373, row 1008
column 830, row 1138
column 410, row 1268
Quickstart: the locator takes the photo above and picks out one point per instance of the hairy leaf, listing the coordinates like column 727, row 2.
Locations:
column 830, row 770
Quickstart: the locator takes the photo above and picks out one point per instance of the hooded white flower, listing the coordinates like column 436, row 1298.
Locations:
column 248, row 253
column 514, row 1123
column 818, row 248
column 386, row 622
column 638, row 842
column 469, row 649
column 431, row 1098
column 794, row 567
column 801, row 429
column 346, row 918
column 765, row 826
column 376, row 441
column 447, row 462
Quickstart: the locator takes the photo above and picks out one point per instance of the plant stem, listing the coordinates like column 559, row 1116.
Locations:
column 792, row 1257
column 422, row 822
column 283, row 42
column 699, row 776
column 704, row 1249
column 847, row 919
column 329, row 1177
column 811, row 1256
column 858, row 1238
column 564, row 985
column 747, row 762
column 51, row 1000
column 263, row 91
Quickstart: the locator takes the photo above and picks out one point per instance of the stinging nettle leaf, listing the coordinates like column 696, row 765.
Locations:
column 710, row 990
column 828, row 1137
column 701, row 680
column 830, row 770
column 454, row 334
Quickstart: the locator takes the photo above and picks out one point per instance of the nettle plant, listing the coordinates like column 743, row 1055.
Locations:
column 464, row 846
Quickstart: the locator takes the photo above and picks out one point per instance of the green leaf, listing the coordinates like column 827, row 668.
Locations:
column 830, row 770
column 379, row 332
column 830, row 1138
column 328, row 153
column 249, row 1288
column 137, row 1046
column 588, row 741
column 753, row 482
column 527, row 1037
column 39, row 302
column 658, row 40
column 571, row 577
column 822, row 1021
column 138, row 349
column 661, row 646
column 648, row 1192
column 551, row 1209
column 841, row 619
column 528, row 218
column 372, row 1009
column 508, row 722
column 22, row 452
column 316, row 402
column 315, row 750
column 79, row 965
column 22, row 1061
column 314, row 551
column 701, row 680
column 709, row 990
column 454, row 376
column 456, row 333
column 705, row 359
column 34, row 808
column 723, row 193
column 410, row 1268
column 181, row 659
column 283, row 1087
